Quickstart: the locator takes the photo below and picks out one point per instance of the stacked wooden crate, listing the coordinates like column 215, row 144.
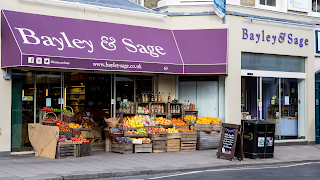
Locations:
column 144, row 147
column 68, row 149
column 173, row 142
column 159, row 142
column 208, row 135
column 188, row 140
column 125, row 148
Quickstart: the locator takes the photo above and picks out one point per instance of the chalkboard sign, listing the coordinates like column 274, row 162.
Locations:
column 230, row 142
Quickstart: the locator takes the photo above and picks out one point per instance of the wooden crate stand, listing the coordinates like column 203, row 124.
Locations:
column 159, row 146
column 208, row 140
column 173, row 145
column 66, row 149
column 188, row 145
column 188, row 136
column 158, row 137
column 174, row 136
column 143, row 148
column 203, row 127
column 86, row 149
column 125, row 148
column 216, row 127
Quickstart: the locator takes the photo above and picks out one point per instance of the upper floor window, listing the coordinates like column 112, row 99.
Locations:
column 268, row 2
column 315, row 5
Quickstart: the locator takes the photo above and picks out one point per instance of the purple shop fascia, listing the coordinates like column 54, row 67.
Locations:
column 35, row 40
column 281, row 38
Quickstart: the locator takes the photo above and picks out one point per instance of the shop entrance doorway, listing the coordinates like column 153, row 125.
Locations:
column 277, row 100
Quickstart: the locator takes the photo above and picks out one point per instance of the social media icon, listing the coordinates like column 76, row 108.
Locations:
column 46, row 60
column 39, row 60
column 30, row 59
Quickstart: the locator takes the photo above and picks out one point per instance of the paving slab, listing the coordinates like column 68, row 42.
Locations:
column 105, row 164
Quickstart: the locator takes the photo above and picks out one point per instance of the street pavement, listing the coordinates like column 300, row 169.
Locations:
column 106, row 164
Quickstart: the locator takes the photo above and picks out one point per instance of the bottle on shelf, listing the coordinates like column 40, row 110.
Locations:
column 162, row 97
column 162, row 109
column 147, row 97
column 171, row 109
column 188, row 105
column 159, row 97
column 152, row 109
column 193, row 106
column 155, row 109
column 152, row 97
column 169, row 98
column 185, row 105
column 143, row 99
column 178, row 109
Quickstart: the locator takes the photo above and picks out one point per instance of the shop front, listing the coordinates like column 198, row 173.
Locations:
column 275, row 64
column 97, row 69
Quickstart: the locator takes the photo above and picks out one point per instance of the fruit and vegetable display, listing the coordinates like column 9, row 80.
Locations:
column 46, row 109
column 61, row 122
column 138, row 131
column 173, row 130
column 163, row 121
column 141, row 131
column 148, row 121
column 184, row 129
column 134, row 121
column 62, row 138
column 115, row 130
column 190, row 117
column 63, row 128
column 178, row 122
column 207, row 120
column 71, row 125
column 122, row 140
column 52, row 119
column 66, row 111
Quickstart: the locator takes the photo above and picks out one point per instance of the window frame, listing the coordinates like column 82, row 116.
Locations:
column 258, row 5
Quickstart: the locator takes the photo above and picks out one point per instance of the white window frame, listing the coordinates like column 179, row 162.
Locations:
column 275, row 8
column 311, row 13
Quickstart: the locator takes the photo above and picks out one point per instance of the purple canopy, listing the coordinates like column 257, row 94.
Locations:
column 46, row 41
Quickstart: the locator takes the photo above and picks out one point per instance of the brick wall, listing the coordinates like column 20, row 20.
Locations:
column 247, row 3
column 151, row 3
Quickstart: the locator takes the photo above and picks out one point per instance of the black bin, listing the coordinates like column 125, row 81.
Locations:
column 258, row 138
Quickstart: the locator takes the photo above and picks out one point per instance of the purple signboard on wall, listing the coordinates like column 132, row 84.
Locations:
column 46, row 41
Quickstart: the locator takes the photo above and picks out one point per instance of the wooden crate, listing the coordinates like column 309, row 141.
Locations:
column 135, row 135
column 108, row 145
column 158, row 137
column 146, row 148
column 66, row 150
column 189, row 112
column 188, row 136
column 182, row 126
column 208, row 140
column 125, row 148
column 202, row 127
column 85, row 149
column 173, row 136
column 159, row 146
column 216, row 127
column 173, row 145
column 188, row 145
column 68, row 134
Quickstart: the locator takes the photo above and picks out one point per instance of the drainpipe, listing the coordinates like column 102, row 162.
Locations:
column 317, row 108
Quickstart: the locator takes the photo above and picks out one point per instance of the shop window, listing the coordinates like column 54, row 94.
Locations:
column 315, row 5
column 201, row 90
column 268, row 62
column 268, row 2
